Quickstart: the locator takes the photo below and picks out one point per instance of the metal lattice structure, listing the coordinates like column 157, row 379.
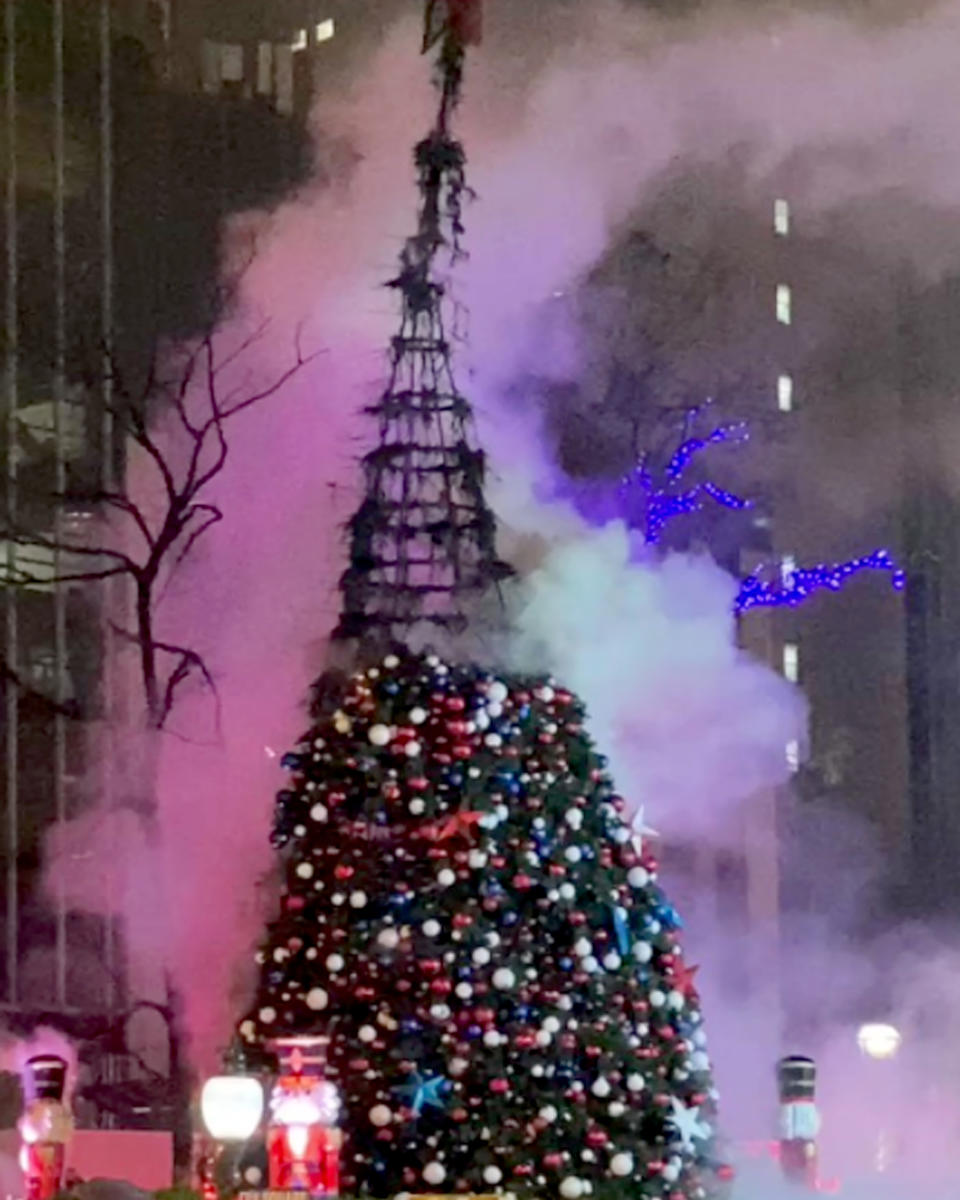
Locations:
column 422, row 542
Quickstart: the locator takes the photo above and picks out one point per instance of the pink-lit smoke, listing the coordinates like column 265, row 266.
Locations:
column 561, row 146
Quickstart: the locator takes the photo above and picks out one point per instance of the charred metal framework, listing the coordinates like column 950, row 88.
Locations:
column 422, row 542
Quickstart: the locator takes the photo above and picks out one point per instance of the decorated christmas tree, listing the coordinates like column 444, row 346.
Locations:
column 469, row 917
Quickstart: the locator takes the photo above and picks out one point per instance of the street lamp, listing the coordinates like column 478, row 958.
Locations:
column 879, row 1041
column 231, row 1107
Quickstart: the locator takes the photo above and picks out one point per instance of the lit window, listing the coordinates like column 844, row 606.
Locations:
column 791, row 662
column 299, row 40
column 781, row 217
column 788, row 566
column 783, row 303
column 785, row 393
column 325, row 30
column 793, row 757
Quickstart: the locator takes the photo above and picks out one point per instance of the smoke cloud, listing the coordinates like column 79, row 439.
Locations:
column 568, row 125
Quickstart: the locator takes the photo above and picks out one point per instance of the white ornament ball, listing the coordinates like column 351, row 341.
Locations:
column 676, row 999
column 317, row 999
column 464, row 990
column 358, row 899
column 335, row 962
column 493, row 740
column 248, row 1030
column 582, row 947
column 268, row 1015
column 477, row 859
column 492, row 1175
column 657, row 998
column 434, row 1173
column 411, row 749
column 601, row 1088
column 611, row 961
column 391, row 662
column 616, row 1108
column 543, row 1037
column 573, row 854
column 380, row 1115
column 304, row 870
column 642, row 951
column 497, row 692
column 446, row 877
column 379, row 735
column 700, row 1061
column 481, row 956
column 388, row 939
column 622, row 1164
column 574, row 817
column 551, row 1024
column 491, row 1038
column 567, row 891
column 457, row 1066
column 319, row 812
column 504, row 979
column 367, row 1033
column 670, row 1172
column 548, row 1113
column 638, row 877
column 635, row 1083
column 590, row 964
column 431, row 928
column 571, row 1188
column 252, row 1175
column 417, row 716
column 416, row 806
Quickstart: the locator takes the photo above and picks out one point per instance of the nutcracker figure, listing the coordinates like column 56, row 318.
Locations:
column 303, row 1141
column 799, row 1119
column 45, row 1127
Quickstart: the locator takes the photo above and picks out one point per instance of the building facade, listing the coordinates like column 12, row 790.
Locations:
column 120, row 143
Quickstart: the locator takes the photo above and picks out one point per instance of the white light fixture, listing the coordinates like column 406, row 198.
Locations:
column 231, row 1107
column 299, row 40
column 879, row 1041
column 781, row 217
column 324, row 30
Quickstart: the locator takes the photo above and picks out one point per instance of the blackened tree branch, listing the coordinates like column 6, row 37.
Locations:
column 187, row 455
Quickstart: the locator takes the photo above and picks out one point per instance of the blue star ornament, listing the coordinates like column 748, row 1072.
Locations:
column 424, row 1092
column 687, row 1125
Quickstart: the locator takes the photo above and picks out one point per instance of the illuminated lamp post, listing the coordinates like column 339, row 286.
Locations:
column 303, row 1140
column 879, row 1043
column 45, row 1126
column 231, row 1106
column 799, row 1119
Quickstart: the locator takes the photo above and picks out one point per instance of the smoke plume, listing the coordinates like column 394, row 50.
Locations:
column 569, row 121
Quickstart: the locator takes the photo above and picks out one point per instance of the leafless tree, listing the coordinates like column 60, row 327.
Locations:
column 177, row 418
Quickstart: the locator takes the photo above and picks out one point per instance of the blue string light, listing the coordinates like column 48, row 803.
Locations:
column 650, row 499
column 800, row 584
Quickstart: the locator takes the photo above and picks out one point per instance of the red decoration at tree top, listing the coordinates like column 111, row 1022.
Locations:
column 460, row 19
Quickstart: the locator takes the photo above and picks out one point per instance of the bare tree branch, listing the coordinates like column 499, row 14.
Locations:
column 192, row 390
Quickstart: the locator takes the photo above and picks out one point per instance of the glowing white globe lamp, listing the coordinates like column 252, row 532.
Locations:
column 231, row 1107
column 879, row 1041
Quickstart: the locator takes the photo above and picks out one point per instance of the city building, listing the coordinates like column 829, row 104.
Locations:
column 128, row 132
